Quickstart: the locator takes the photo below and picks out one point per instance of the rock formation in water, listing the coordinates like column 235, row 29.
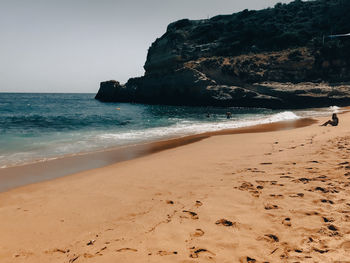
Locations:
column 273, row 58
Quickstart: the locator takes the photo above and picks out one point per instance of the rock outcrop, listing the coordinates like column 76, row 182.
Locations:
column 224, row 61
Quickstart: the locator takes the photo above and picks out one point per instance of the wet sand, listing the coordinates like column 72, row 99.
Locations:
column 41, row 171
column 276, row 196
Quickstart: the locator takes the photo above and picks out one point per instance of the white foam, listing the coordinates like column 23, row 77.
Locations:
column 185, row 128
column 319, row 112
column 334, row 109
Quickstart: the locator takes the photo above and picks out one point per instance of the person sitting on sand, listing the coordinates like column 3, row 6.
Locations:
column 333, row 122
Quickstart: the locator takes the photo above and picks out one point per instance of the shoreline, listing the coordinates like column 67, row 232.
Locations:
column 265, row 196
column 36, row 172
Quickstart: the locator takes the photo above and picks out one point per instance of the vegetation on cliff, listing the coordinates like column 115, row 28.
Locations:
column 284, row 26
column 296, row 24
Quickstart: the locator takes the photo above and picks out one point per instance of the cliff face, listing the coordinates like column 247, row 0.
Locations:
column 245, row 59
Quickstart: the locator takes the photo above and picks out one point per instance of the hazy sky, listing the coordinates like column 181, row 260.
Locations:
column 72, row 45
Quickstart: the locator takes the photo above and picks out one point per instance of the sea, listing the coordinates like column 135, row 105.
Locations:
column 36, row 127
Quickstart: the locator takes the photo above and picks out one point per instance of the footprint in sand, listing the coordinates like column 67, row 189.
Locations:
column 297, row 195
column 225, row 222
column 196, row 251
column 303, row 180
column 192, row 214
column 166, row 253
column 321, row 178
column 270, row 238
column 198, row 203
column 327, row 201
column 321, row 251
column 321, row 189
column 250, row 260
column 87, row 255
column 287, row 222
column 126, row 249
column 278, row 196
column 287, row 177
column 74, row 258
column 247, row 260
column 327, row 220
column 247, row 186
column 270, row 207
column 332, row 228
column 63, row 251
column 312, row 213
column 197, row 233
column 99, row 252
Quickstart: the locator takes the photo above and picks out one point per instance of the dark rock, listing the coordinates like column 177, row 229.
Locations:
column 222, row 62
column 112, row 91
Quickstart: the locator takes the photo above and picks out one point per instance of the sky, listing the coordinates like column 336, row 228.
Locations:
column 73, row 45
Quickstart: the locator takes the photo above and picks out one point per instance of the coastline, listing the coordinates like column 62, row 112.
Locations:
column 265, row 196
column 36, row 172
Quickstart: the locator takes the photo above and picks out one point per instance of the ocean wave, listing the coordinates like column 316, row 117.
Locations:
column 185, row 128
column 335, row 109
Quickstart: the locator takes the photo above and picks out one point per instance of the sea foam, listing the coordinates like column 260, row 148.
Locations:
column 186, row 128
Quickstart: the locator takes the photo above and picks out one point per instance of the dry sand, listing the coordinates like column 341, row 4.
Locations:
column 278, row 196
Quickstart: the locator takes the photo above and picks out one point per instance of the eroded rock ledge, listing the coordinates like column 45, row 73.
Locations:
column 268, row 80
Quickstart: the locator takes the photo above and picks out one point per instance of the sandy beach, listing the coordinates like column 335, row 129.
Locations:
column 276, row 196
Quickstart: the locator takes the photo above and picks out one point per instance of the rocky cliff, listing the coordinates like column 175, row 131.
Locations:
column 273, row 58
